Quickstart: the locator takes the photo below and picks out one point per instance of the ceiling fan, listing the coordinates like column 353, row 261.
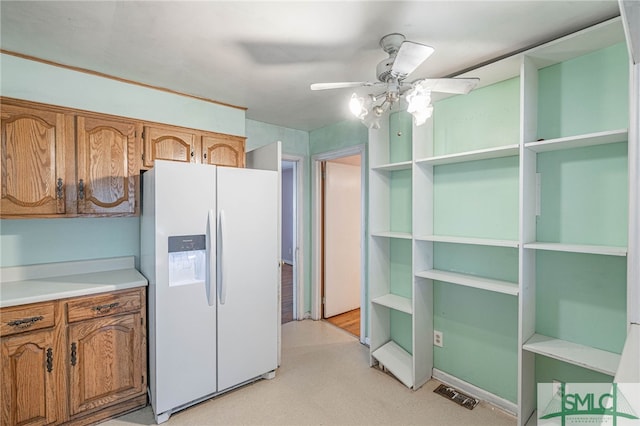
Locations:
column 404, row 57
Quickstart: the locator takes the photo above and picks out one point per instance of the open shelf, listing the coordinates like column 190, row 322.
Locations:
column 579, row 141
column 403, row 165
column 392, row 234
column 394, row 301
column 471, row 281
column 397, row 361
column 583, row 356
column 480, row 154
column 579, row 248
column 468, row 240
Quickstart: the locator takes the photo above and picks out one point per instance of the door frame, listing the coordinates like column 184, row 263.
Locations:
column 298, row 255
column 316, row 265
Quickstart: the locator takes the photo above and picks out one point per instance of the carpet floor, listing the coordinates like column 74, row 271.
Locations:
column 325, row 379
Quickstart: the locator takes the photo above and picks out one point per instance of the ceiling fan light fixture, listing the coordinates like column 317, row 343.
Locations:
column 419, row 100
column 357, row 106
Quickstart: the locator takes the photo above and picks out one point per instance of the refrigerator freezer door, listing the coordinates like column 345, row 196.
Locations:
column 247, row 321
column 183, row 327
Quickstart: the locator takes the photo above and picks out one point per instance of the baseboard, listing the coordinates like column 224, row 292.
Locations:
column 475, row 391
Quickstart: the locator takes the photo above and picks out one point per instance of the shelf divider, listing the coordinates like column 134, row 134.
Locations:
column 397, row 361
column 573, row 353
column 469, row 240
column 488, row 284
column 578, row 248
column 403, row 165
column 579, row 141
column 392, row 234
column 479, row 154
column 394, row 301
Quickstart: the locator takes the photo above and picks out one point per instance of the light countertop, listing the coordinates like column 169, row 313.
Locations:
column 38, row 283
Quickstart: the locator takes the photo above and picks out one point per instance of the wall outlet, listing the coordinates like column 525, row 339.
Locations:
column 438, row 338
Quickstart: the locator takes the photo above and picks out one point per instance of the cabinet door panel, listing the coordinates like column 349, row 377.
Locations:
column 169, row 144
column 28, row 389
column 33, row 155
column 106, row 362
column 223, row 150
column 106, row 166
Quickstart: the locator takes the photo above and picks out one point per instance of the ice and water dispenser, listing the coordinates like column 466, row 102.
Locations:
column 187, row 260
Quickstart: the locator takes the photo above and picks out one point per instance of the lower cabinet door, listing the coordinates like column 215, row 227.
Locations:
column 29, row 379
column 105, row 362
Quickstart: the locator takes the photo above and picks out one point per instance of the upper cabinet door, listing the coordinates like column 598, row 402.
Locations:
column 165, row 143
column 223, row 150
column 33, row 161
column 106, row 166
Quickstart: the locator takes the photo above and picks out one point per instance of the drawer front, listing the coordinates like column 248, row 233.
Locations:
column 103, row 305
column 25, row 318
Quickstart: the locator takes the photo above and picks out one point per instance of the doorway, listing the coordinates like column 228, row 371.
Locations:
column 339, row 240
column 291, row 237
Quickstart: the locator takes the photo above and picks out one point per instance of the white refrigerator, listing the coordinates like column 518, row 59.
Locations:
column 209, row 248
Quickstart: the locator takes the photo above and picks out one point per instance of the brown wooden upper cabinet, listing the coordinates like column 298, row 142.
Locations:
column 58, row 163
column 167, row 143
column 192, row 146
column 35, row 155
column 106, row 166
column 223, row 150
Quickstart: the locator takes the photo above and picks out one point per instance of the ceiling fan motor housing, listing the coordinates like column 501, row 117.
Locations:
column 390, row 44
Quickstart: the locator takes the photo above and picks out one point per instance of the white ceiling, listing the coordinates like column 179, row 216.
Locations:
column 263, row 55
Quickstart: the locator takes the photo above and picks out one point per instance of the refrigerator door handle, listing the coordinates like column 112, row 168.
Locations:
column 222, row 283
column 211, row 259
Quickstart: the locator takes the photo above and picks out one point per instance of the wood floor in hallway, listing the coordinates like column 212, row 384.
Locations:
column 349, row 321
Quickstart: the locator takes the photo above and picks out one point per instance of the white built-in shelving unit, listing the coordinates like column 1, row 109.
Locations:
column 509, row 209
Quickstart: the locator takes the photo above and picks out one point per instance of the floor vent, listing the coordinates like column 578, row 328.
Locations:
column 456, row 396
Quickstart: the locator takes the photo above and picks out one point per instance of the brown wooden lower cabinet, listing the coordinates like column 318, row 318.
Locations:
column 78, row 368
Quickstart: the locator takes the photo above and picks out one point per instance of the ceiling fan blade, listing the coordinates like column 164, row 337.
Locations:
column 341, row 85
column 449, row 85
column 409, row 57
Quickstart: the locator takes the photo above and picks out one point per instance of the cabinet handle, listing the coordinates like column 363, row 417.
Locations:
column 74, row 354
column 81, row 189
column 49, row 360
column 205, row 155
column 102, row 309
column 26, row 322
column 59, row 190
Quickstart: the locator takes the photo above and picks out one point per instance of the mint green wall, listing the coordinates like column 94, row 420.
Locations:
column 401, row 278
column 477, row 199
column 582, row 298
column 39, row 82
column 584, row 195
column 337, row 136
column 480, row 327
column 294, row 142
column 400, row 136
column 33, row 241
column 480, row 330
column 485, row 118
column 549, row 369
column 30, row 241
column 400, row 201
column 584, row 95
